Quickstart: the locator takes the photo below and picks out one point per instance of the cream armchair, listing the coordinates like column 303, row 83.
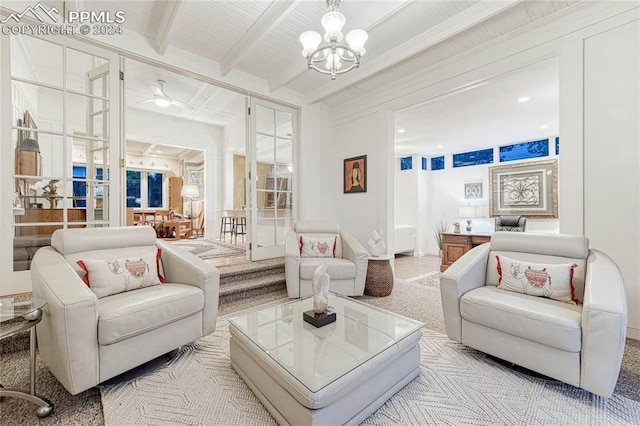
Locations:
column 85, row 340
column 581, row 345
column 347, row 270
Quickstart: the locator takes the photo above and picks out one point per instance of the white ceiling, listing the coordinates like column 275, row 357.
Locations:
column 484, row 116
column 258, row 39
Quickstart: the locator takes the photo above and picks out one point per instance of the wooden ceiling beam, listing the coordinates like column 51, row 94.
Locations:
column 272, row 16
column 170, row 18
column 453, row 26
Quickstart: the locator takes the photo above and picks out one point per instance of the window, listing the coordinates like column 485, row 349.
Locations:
column 133, row 189
column 80, row 186
column 145, row 189
column 154, row 189
column 473, row 158
column 406, row 163
column 557, row 145
column 437, row 163
column 521, row 151
column 424, row 163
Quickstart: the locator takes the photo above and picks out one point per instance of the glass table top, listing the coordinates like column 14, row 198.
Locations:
column 12, row 308
column 318, row 356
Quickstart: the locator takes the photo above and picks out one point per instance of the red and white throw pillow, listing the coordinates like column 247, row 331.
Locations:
column 318, row 246
column 554, row 281
column 107, row 277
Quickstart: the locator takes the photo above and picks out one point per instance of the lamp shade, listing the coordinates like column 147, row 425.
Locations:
column 190, row 191
column 310, row 41
column 468, row 211
column 356, row 40
column 332, row 22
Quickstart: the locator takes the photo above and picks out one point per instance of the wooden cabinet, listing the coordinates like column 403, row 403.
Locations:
column 455, row 245
column 175, row 197
column 48, row 215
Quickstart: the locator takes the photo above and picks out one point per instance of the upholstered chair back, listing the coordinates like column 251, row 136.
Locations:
column 540, row 248
column 513, row 223
column 102, row 243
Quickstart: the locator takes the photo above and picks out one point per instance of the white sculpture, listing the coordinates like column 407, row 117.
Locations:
column 376, row 244
column 320, row 285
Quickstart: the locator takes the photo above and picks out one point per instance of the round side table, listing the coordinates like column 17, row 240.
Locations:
column 379, row 280
column 16, row 317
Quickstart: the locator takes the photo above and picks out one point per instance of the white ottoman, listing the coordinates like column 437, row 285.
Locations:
column 337, row 374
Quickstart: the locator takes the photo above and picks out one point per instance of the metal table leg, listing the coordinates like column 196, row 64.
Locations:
column 45, row 407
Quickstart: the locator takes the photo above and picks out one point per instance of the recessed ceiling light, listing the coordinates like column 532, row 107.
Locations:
column 440, row 146
column 523, row 99
column 401, row 131
column 544, row 126
column 159, row 151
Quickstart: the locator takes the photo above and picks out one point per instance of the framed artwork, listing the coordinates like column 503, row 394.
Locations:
column 355, row 174
column 473, row 191
column 526, row 189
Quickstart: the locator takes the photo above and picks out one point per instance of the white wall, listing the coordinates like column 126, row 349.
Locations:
column 361, row 213
column 612, row 153
column 568, row 35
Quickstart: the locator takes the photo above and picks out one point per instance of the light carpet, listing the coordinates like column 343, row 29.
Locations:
column 457, row 385
column 430, row 279
column 206, row 248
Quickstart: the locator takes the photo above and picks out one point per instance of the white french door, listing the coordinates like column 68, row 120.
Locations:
column 270, row 177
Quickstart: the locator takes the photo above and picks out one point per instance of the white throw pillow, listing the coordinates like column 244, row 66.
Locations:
column 318, row 246
column 107, row 277
column 554, row 281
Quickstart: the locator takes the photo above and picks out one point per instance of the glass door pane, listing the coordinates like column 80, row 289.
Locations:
column 271, row 167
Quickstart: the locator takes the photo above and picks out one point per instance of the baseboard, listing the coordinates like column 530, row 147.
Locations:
column 633, row 333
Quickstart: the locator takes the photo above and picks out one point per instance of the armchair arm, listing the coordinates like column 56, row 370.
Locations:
column 604, row 325
column 182, row 267
column 67, row 334
column 292, row 263
column 355, row 252
column 467, row 273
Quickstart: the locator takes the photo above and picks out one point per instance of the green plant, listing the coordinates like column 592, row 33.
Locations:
column 438, row 229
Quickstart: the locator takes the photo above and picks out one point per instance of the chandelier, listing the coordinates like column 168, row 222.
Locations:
column 334, row 57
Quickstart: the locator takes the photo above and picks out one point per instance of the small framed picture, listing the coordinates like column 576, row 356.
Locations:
column 473, row 191
column 355, row 174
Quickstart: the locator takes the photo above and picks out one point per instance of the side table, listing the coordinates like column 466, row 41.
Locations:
column 379, row 280
column 16, row 317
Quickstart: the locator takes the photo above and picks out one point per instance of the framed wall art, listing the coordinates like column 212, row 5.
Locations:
column 354, row 174
column 526, row 189
column 473, row 191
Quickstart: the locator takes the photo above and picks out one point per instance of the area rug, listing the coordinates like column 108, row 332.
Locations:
column 431, row 279
column 206, row 248
column 457, row 385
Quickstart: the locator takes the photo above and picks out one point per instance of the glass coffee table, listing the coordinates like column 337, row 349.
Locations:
column 16, row 316
column 336, row 374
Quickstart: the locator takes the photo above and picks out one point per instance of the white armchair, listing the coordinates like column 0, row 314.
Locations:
column 347, row 268
column 85, row 340
column 581, row 345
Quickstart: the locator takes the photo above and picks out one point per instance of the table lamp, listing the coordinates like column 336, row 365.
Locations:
column 190, row 191
column 468, row 212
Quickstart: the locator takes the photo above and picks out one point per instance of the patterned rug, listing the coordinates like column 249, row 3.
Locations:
column 206, row 248
column 431, row 279
column 457, row 385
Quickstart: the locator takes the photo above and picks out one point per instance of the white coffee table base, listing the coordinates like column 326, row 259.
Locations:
column 357, row 395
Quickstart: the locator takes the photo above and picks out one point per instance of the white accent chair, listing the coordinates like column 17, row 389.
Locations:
column 85, row 340
column 348, row 270
column 581, row 345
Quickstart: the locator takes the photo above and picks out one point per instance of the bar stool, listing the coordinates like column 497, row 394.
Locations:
column 227, row 226
column 240, row 227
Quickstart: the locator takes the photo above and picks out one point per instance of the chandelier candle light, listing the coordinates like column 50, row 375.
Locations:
column 334, row 57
